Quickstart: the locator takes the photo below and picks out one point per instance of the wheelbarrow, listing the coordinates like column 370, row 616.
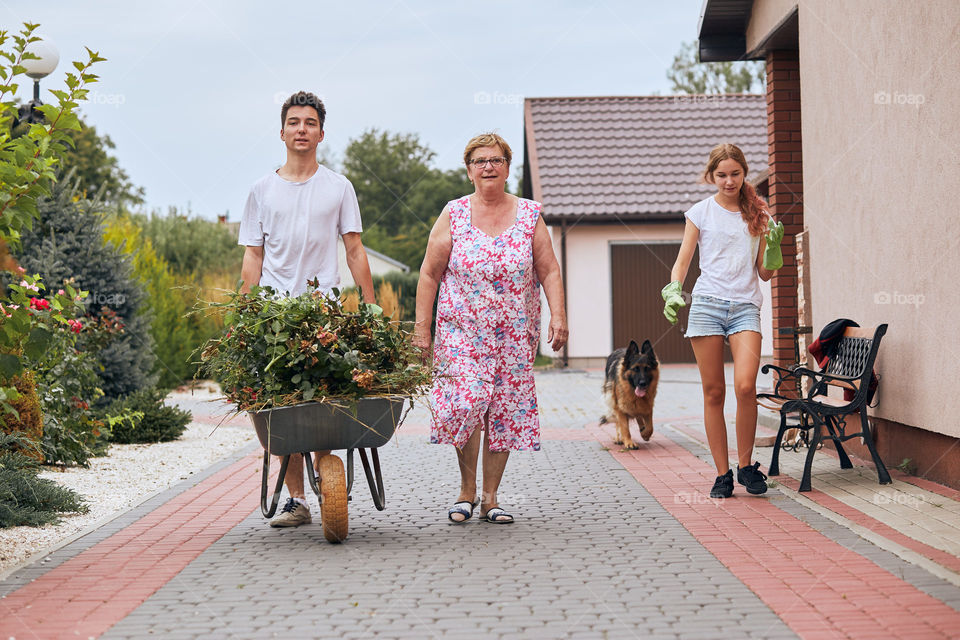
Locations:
column 314, row 426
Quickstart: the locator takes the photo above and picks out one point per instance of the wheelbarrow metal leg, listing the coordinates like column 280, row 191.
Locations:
column 376, row 485
column 265, row 483
column 311, row 473
column 350, row 472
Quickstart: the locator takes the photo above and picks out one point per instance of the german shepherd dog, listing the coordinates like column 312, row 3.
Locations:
column 630, row 387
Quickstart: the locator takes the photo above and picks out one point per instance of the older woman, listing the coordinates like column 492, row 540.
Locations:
column 489, row 252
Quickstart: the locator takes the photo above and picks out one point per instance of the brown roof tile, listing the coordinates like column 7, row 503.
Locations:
column 634, row 157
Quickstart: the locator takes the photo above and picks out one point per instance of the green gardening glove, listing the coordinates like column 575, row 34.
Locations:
column 673, row 297
column 772, row 256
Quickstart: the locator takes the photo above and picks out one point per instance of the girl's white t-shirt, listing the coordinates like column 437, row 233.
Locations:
column 728, row 254
column 298, row 225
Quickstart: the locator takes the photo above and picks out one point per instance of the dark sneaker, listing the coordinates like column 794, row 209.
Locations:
column 293, row 514
column 723, row 486
column 752, row 478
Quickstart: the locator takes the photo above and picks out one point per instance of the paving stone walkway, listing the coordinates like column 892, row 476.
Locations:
column 607, row 544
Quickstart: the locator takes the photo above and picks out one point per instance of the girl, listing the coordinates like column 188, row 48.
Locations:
column 726, row 305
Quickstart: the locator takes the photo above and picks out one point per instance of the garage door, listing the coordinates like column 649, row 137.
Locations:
column 638, row 273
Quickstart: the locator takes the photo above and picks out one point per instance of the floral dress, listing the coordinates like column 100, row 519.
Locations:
column 488, row 327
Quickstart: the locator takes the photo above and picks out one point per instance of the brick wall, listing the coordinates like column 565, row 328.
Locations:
column 786, row 188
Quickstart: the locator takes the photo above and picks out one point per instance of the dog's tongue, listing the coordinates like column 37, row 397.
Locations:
column 640, row 392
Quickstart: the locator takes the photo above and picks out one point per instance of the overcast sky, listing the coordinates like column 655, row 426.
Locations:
column 192, row 89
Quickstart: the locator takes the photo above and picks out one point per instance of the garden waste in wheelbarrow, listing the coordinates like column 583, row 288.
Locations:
column 316, row 426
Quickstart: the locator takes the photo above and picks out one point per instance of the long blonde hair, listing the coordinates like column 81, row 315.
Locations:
column 753, row 208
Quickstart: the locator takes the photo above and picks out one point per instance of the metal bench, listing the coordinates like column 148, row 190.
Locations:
column 850, row 368
column 788, row 386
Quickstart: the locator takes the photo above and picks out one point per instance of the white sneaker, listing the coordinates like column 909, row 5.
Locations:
column 293, row 514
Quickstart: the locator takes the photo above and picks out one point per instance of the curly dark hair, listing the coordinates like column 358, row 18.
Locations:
column 303, row 99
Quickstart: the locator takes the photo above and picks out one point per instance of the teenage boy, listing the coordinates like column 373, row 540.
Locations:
column 290, row 227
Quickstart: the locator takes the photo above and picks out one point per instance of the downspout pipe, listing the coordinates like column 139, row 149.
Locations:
column 563, row 275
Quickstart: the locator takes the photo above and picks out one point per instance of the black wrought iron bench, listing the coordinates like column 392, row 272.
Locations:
column 850, row 368
column 788, row 386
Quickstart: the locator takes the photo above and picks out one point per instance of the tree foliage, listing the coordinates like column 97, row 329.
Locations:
column 28, row 162
column 399, row 192
column 97, row 172
column 689, row 75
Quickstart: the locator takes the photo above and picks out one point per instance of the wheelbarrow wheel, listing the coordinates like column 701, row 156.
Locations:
column 333, row 498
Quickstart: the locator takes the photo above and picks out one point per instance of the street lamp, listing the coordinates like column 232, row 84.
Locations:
column 40, row 67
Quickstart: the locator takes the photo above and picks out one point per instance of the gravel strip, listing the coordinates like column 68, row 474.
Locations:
column 131, row 473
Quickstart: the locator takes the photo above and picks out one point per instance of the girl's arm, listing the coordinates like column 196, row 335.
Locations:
column 690, row 236
column 765, row 274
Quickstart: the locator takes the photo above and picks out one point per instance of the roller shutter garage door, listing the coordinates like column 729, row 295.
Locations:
column 638, row 273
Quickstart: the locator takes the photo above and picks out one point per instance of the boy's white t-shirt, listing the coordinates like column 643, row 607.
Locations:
column 728, row 254
column 298, row 224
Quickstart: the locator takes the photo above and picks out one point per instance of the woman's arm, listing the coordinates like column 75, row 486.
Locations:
column 434, row 264
column 689, row 244
column 548, row 272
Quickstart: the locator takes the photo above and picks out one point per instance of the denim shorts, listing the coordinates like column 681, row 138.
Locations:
column 711, row 316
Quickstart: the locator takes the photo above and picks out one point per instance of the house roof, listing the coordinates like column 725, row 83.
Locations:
column 723, row 24
column 385, row 258
column 723, row 27
column 633, row 158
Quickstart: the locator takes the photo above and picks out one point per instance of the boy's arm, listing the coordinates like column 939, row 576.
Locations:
column 252, row 268
column 359, row 265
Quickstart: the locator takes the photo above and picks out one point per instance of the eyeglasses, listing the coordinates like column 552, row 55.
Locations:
column 480, row 162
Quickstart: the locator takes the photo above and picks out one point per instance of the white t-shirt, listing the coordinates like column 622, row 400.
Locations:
column 728, row 254
column 298, row 224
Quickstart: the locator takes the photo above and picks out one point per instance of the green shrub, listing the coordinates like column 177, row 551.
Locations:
column 67, row 243
column 157, row 422
column 25, row 498
column 202, row 259
column 28, row 419
column 68, row 384
column 174, row 333
column 60, row 380
column 192, row 246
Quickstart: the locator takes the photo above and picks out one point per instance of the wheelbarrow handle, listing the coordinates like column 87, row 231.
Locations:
column 265, row 483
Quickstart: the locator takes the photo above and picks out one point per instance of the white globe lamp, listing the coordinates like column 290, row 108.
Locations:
column 40, row 67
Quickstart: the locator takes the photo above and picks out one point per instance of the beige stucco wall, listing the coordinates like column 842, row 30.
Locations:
column 589, row 304
column 765, row 17
column 881, row 171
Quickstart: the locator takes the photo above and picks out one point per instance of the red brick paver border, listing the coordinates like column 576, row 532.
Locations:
column 870, row 523
column 94, row 590
column 816, row 586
